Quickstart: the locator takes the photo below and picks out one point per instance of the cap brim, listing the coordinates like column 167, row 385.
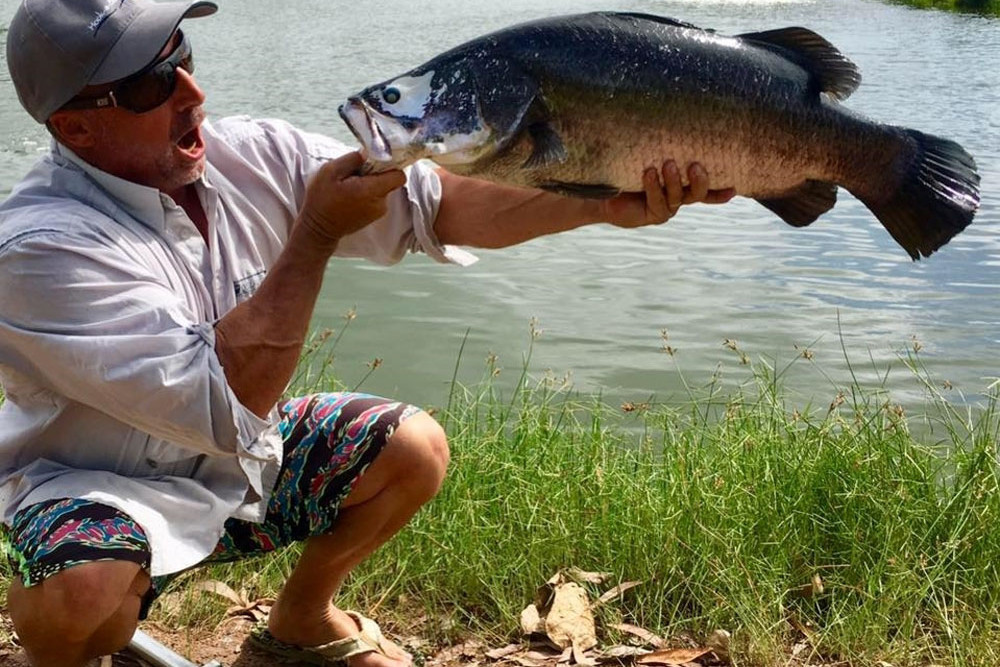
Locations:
column 143, row 40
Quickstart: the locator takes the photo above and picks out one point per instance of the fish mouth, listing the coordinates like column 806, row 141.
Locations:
column 362, row 123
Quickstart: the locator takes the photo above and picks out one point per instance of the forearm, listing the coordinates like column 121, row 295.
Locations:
column 260, row 341
column 487, row 215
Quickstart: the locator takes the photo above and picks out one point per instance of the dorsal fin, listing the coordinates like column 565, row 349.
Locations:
column 837, row 75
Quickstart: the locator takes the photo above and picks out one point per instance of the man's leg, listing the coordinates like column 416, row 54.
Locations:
column 406, row 475
column 356, row 469
column 80, row 577
column 83, row 612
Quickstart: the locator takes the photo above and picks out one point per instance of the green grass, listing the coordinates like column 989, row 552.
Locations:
column 726, row 505
column 988, row 7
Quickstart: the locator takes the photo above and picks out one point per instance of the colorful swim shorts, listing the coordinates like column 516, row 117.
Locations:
column 329, row 441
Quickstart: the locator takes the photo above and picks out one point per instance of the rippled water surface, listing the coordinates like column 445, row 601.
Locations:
column 602, row 296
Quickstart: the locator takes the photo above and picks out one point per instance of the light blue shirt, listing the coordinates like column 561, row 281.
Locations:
column 109, row 296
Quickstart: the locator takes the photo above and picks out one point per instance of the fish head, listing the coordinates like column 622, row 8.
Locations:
column 421, row 114
column 453, row 110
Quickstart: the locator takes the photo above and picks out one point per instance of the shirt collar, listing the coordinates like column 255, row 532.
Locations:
column 145, row 204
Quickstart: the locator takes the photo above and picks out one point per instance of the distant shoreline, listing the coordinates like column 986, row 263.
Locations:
column 986, row 7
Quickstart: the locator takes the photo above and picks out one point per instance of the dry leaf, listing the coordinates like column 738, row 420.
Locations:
column 531, row 621
column 498, row 653
column 612, row 593
column 622, row 651
column 222, row 590
column 570, row 621
column 580, row 658
column 672, row 656
column 579, row 575
column 719, row 642
column 643, row 634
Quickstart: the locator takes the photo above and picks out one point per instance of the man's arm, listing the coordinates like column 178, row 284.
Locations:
column 259, row 342
column 486, row 215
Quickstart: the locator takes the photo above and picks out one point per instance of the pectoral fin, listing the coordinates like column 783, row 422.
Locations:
column 583, row 190
column 802, row 205
column 548, row 147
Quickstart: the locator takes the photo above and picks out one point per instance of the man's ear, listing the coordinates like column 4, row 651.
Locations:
column 77, row 130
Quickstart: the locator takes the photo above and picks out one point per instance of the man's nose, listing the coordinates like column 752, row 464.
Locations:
column 187, row 93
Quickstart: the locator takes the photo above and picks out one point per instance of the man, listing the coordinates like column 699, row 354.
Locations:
column 159, row 273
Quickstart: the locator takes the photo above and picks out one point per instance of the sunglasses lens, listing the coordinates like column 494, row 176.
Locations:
column 148, row 91
column 155, row 87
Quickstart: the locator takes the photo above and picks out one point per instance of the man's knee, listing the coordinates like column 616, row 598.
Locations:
column 422, row 455
column 78, row 602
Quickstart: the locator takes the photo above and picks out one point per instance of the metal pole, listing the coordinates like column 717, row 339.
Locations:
column 159, row 655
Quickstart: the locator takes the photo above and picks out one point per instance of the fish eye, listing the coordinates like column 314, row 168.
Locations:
column 391, row 95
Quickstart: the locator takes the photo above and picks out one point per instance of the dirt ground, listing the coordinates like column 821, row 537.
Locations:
column 228, row 643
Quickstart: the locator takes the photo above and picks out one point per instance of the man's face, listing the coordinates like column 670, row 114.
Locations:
column 161, row 148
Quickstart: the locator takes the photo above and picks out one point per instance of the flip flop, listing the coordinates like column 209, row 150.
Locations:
column 368, row 640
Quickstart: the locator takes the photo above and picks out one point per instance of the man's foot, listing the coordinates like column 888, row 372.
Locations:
column 341, row 636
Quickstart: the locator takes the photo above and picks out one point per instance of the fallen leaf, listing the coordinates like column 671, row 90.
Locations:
column 622, row 651
column 498, row 653
column 222, row 590
column 643, row 634
column 579, row 575
column 580, row 658
column 672, row 656
column 615, row 592
column 718, row 642
column 570, row 621
column 531, row 621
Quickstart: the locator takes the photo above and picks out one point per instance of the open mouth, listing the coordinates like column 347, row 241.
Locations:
column 191, row 142
column 363, row 125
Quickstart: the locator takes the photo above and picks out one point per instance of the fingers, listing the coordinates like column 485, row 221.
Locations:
column 657, row 200
column 349, row 166
column 673, row 185
column 340, row 201
column 698, row 184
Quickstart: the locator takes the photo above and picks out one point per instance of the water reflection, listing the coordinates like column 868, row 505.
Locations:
column 604, row 296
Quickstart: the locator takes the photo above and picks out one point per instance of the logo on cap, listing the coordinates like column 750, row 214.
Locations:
column 110, row 7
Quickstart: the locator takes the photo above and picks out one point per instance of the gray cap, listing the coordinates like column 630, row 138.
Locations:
column 57, row 47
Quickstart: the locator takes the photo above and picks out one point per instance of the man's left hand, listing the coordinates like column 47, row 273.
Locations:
column 662, row 199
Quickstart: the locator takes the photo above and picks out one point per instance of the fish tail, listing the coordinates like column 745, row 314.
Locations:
column 936, row 198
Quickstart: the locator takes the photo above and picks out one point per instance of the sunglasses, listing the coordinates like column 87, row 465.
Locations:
column 146, row 89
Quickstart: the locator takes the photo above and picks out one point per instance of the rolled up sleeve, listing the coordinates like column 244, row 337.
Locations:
column 97, row 326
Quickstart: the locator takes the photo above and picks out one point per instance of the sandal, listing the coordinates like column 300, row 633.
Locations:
column 368, row 640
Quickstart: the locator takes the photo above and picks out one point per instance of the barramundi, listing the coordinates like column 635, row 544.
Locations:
column 582, row 104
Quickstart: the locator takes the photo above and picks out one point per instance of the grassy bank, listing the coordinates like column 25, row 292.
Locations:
column 830, row 526
column 988, row 7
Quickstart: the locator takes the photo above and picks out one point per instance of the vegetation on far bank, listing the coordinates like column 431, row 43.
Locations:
column 853, row 529
column 989, row 7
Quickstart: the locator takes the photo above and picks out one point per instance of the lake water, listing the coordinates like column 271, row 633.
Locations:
column 602, row 296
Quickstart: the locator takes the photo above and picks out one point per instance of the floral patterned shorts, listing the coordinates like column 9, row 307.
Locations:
column 329, row 441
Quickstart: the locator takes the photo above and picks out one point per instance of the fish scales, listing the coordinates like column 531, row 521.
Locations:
column 583, row 104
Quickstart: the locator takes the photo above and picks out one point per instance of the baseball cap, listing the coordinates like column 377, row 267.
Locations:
column 57, row 47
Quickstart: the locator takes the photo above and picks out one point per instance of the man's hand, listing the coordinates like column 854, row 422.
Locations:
column 662, row 200
column 339, row 201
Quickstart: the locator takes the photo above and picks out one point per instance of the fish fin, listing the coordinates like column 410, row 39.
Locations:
column 937, row 198
column 801, row 206
column 836, row 74
column 548, row 147
column 582, row 190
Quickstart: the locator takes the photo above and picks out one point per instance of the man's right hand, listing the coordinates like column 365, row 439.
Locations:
column 339, row 201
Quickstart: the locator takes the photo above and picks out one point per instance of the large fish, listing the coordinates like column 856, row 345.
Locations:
column 582, row 104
